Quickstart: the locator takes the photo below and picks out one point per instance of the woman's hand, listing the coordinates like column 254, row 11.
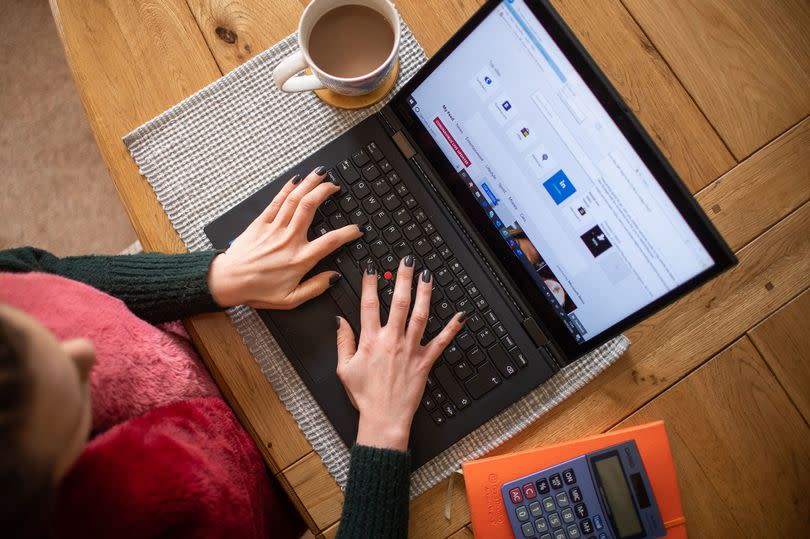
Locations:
column 264, row 266
column 385, row 374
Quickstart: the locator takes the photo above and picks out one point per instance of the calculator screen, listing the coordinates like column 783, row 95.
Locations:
column 617, row 494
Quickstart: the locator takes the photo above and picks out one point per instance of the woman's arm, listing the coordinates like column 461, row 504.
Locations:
column 156, row 287
column 384, row 376
column 263, row 267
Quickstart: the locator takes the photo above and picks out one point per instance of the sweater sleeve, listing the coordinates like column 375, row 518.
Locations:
column 156, row 287
column 376, row 498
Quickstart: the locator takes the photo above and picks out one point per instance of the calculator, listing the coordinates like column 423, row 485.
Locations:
column 604, row 494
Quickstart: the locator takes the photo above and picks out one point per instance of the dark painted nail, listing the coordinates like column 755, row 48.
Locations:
column 464, row 316
column 409, row 261
column 360, row 228
column 426, row 276
column 320, row 171
column 296, row 179
column 370, row 269
column 334, row 278
column 337, row 322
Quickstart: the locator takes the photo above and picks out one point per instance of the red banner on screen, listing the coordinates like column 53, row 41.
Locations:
column 450, row 140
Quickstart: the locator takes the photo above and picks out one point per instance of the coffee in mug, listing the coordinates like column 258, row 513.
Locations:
column 350, row 46
column 350, row 41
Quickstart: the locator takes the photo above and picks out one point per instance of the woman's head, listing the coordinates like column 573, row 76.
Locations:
column 44, row 414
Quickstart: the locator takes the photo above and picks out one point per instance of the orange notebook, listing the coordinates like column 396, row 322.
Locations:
column 483, row 478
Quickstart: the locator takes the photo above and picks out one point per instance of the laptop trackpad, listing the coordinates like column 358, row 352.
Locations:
column 309, row 331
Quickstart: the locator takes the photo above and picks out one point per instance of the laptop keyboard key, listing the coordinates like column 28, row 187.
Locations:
column 371, row 172
column 455, row 266
column 371, row 204
column 347, row 202
column 348, row 171
column 412, row 231
column 401, row 249
column 389, row 262
column 380, row 186
column 329, row 207
column 486, row 338
column 385, row 166
column 445, row 252
column 381, row 219
column 480, row 303
column 485, row 381
column 393, row 178
column 464, row 279
column 448, row 409
column 374, row 151
column 462, row 370
column 438, row 417
column 443, row 276
column 476, row 356
column 474, row 322
column 490, row 317
column 410, row 202
column 361, row 190
column 454, row 293
column 359, row 250
column 465, row 341
column 360, row 158
column 391, row 234
column 501, row 360
column 420, row 216
column 391, row 201
column 401, row 217
column 358, row 217
column 433, row 325
column 401, row 190
column 428, row 402
column 422, row 245
column 379, row 248
column 433, row 261
column 452, row 354
column 444, row 309
column 465, row 305
column 428, row 227
column 451, row 385
column 519, row 358
column 338, row 220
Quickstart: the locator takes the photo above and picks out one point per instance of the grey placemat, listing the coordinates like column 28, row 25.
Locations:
column 223, row 143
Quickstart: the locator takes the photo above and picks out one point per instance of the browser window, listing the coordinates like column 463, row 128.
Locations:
column 555, row 175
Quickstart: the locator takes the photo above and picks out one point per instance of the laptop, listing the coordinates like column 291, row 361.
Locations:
column 511, row 168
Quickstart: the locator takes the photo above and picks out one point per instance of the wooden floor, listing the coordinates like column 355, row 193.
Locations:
column 724, row 89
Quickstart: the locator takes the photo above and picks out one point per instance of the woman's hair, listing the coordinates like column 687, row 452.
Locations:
column 26, row 488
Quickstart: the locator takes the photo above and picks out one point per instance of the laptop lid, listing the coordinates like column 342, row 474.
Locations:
column 557, row 175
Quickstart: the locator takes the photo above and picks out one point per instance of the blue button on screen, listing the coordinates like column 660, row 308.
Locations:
column 559, row 187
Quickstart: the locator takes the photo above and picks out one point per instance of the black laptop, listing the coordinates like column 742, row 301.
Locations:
column 512, row 169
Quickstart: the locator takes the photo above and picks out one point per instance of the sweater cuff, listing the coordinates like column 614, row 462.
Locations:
column 376, row 498
column 156, row 287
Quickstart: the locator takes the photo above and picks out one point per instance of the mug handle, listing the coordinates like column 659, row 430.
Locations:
column 285, row 75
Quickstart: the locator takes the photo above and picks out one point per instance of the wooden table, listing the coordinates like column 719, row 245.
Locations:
column 722, row 86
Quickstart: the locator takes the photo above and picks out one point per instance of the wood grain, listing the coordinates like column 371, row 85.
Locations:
column 655, row 95
column 316, row 489
column 784, row 341
column 762, row 189
column 746, row 63
column 732, row 428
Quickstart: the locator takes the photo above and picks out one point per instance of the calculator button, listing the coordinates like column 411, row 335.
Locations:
column 562, row 499
column 542, row 525
column 555, row 481
column 575, row 495
column 568, row 515
column 573, row 532
column 527, row 529
column 597, row 522
column 528, row 490
column 548, row 504
column 554, row 520
column 586, row 526
column 515, row 495
column 536, row 510
column 522, row 513
column 582, row 512
column 542, row 486
column 569, row 477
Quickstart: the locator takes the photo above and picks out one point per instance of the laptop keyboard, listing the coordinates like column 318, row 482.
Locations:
column 374, row 197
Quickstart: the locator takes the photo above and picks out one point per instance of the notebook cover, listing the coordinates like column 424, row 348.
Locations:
column 483, row 477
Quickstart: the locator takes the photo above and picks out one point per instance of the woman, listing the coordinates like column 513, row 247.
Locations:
column 172, row 461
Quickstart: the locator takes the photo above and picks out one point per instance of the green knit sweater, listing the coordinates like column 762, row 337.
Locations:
column 160, row 287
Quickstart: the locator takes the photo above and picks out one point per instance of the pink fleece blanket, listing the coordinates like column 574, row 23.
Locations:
column 169, row 458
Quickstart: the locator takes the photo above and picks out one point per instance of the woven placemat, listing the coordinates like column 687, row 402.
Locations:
column 226, row 141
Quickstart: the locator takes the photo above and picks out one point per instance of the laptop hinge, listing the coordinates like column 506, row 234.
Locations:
column 534, row 331
column 403, row 144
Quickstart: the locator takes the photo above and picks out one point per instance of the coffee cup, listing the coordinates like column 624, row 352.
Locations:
column 350, row 46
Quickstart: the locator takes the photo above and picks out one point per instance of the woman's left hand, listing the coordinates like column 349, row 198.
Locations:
column 264, row 266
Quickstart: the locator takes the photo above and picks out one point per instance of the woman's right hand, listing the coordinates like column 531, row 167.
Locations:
column 386, row 372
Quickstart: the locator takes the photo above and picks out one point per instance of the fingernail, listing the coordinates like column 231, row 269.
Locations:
column 360, row 228
column 464, row 316
column 409, row 261
column 296, row 179
column 370, row 269
column 426, row 276
column 320, row 171
column 334, row 278
column 337, row 322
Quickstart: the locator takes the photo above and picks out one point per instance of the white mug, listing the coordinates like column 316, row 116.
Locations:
column 286, row 73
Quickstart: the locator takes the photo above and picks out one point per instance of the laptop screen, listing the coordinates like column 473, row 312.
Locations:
column 554, row 174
